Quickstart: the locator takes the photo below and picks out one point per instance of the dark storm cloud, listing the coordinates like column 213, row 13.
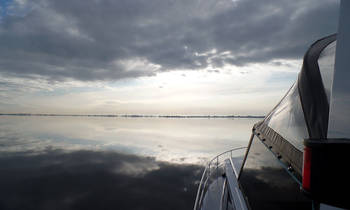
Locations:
column 109, row 40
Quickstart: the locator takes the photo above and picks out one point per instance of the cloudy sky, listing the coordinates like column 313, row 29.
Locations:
column 154, row 56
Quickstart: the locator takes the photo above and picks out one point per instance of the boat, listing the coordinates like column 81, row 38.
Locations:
column 297, row 156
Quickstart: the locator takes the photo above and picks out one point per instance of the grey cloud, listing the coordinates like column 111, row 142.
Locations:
column 103, row 39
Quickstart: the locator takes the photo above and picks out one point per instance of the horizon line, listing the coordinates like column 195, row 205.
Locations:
column 133, row 115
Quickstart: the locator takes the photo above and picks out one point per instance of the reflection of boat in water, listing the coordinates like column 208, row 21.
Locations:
column 297, row 156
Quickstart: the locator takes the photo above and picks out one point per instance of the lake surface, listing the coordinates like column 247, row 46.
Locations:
column 109, row 163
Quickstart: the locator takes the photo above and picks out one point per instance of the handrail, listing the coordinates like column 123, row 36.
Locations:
column 206, row 175
column 234, row 149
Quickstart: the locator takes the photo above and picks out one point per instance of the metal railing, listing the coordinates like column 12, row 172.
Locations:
column 212, row 167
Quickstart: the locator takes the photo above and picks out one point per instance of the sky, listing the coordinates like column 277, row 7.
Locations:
column 216, row 57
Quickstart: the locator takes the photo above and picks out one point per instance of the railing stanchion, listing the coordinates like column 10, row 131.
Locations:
column 209, row 170
column 217, row 166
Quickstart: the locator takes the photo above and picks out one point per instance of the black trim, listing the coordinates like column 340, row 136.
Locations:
column 329, row 174
column 281, row 147
column 311, row 90
column 317, row 143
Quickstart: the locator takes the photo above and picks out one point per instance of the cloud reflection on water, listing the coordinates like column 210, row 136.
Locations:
column 174, row 140
column 57, row 179
column 109, row 163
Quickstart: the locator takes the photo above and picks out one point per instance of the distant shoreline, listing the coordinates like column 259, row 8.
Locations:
column 134, row 115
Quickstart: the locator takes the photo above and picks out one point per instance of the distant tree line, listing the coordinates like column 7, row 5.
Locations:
column 135, row 115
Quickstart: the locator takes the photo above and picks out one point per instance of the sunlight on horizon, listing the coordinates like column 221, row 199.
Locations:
column 225, row 91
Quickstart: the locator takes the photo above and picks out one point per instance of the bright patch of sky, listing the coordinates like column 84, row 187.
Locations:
column 254, row 89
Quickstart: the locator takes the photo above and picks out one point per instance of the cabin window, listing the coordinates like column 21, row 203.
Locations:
column 267, row 184
column 326, row 63
column 287, row 119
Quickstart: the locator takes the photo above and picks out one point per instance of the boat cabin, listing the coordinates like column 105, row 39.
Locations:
column 297, row 156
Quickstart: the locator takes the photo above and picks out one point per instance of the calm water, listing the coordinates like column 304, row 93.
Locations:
column 109, row 163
